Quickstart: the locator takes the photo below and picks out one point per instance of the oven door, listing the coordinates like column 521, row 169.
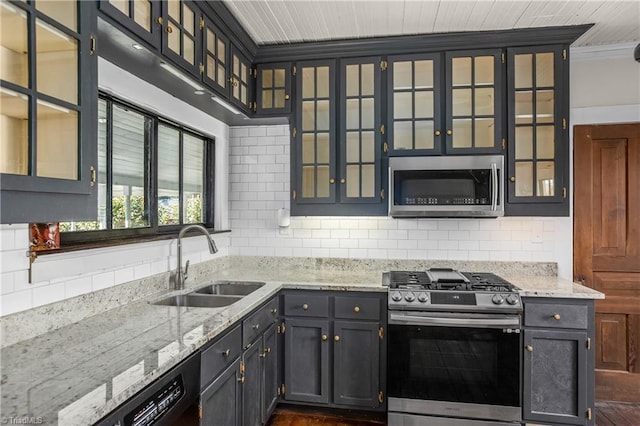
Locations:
column 462, row 365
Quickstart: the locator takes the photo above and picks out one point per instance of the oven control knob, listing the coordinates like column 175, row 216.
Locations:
column 396, row 296
column 410, row 297
column 497, row 299
column 512, row 299
column 423, row 297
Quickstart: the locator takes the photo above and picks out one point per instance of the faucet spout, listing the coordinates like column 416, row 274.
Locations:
column 180, row 275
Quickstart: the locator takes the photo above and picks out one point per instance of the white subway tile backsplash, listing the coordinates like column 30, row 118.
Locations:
column 258, row 131
column 448, row 224
column 48, row 294
column 408, row 244
column 447, row 245
column 339, row 252
column 349, row 243
column 339, row 233
column 7, row 282
column 13, row 260
column 124, row 275
column 407, row 223
column 438, row 235
column 16, row 302
column 78, row 286
column 378, row 234
column 7, row 239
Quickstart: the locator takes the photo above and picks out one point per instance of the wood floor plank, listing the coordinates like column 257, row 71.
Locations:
column 289, row 417
column 618, row 414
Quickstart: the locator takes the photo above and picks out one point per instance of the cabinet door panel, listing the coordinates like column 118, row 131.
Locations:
column 273, row 85
column 251, row 398
column 270, row 363
column 307, row 360
column 181, row 39
column 356, row 374
column 555, row 376
column 137, row 16
column 220, row 402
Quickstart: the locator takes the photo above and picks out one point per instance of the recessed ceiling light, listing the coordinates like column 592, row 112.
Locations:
column 137, row 46
column 102, row 120
column 199, row 92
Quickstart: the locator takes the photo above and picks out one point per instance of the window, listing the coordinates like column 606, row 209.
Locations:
column 153, row 176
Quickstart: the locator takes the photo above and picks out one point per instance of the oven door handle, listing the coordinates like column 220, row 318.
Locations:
column 494, row 186
column 502, row 321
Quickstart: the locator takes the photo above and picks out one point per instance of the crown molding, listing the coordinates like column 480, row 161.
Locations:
column 607, row 51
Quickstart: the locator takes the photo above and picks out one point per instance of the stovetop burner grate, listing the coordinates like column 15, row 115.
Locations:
column 468, row 281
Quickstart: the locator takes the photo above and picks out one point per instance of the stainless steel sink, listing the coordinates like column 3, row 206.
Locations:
column 229, row 288
column 198, row 301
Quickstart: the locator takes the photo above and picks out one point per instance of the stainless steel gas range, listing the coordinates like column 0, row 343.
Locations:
column 454, row 348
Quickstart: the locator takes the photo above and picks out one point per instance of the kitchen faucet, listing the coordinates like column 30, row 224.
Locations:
column 181, row 276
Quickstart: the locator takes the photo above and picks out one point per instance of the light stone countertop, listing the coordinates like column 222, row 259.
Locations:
column 77, row 374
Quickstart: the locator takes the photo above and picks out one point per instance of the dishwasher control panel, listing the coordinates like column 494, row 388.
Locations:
column 156, row 405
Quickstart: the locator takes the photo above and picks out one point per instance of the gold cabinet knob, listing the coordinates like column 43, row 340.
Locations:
column 556, row 316
column 169, row 29
column 287, row 97
column 305, row 307
column 226, row 353
column 512, row 178
column 336, row 338
column 449, row 132
column 332, row 181
column 437, row 133
column 159, row 20
column 343, row 181
column 356, row 309
column 324, row 337
column 529, row 348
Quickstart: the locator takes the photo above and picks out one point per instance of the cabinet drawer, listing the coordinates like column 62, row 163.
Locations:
column 259, row 321
column 306, row 305
column 365, row 308
column 216, row 357
column 555, row 315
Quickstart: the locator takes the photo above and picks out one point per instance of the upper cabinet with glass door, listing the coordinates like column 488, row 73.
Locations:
column 538, row 136
column 48, row 110
column 273, row 88
column 241, row 81
column 181, row 39
column 142, row 17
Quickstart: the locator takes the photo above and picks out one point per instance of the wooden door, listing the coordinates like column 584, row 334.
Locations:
column 606, row 253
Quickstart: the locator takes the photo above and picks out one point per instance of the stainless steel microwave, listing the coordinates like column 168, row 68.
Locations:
column 446, row 186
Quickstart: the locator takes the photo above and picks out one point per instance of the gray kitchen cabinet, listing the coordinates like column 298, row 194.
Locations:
column 270, row 372
column 334, row 349
column 220, row 401
column 273, row 88
column 142, row 18
column 558, row 361
column 260, row 385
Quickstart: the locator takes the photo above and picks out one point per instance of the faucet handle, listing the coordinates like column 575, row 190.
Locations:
column 186, row 269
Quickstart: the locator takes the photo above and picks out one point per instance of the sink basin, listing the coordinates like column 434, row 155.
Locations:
column 229, row 288
column 198, row 301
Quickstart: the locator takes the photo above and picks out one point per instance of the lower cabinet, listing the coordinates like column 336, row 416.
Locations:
column 219, row 403
column 333, row 350
column 558, row 363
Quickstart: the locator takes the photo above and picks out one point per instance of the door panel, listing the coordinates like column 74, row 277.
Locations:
column 220, row 402
column 270, row 391
column 251, row 402
column 607, row 249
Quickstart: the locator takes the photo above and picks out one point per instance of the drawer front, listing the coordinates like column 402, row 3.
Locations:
column 306, row 305
column 258, row 322
column 218, row 356
column 555, row 315
column 364, row 308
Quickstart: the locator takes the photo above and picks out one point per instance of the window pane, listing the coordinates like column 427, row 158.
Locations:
column 267, row 79
column 368, row 180
column 545, row 174
column 121, row 5
column 544, row 106
column 14, row 56
column 308, row 181
column 544, row 69
column 323, row 147
column 524, row 143
column 402, row 75
column 353, row 147
column 323, row 182
column 524, row 107
column 484, row 101
column 63, row 11
column 424, row 134
column 142, row 13
column 189, row 49
column 368, row 147
column 484, row 70
column 308, row 116
column 462, row 133
column 308, row 148
column 461, row 102
column 323, row 82
column 545, row 143
column 424, row 104
column 193, row 179
column 524, row 179
column 221, row 51
column 424, row 74
column 368, row 114
column 322, row 115
column 57, row 63
column 188, row 19
column 353, row 114
column 461, row 70
column 168, row 175
column 402, row 105
column 353, row 80
column 279, row 77
column 523, row 71
column 56, row 141
column 267, row 99
column 403, row 135
column 14, row 143
column 353, row 181
column 485, row 136
column 308, row 83
column 174, row 40
column 368, row 85
column 130, row 170
column 279, row 98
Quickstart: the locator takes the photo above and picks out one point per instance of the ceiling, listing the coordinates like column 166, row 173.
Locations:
column 289, row 21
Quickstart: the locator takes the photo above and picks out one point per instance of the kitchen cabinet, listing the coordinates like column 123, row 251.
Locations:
column 241, row 81
column 334, row 347
column 141, row 17
column 338, row 169
column 220, row 401
column 273, row 88
column 558, row 363
column 538, row 135
column 260, row 387
column 49, row 112
column 181, row 38
column 216, row 58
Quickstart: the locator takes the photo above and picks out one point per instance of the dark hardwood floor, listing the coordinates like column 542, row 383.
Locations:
column 617, row 414
column 298, row 417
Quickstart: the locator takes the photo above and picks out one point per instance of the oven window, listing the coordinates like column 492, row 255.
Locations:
column 454, row 364
column 442, row 187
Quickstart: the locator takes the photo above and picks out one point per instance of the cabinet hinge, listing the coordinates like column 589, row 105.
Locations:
column 382, row 129
column 385, row 147
column 588, row 413
column 92, row 45
column 564, row 192
column 282, row 390
column 564, row 54
column 241, row 367
column 294, row 70
column 381, row 333
column 564, row 124
column 503, row 57
column 382, row 193
column 92, row 179
column 281, row 327
column 588, row 343
column 384, row 65
column 504, row 144
column 201, row 23
column 254, row 106
column 294, row 132
column 199, row 411
column 254, row 72
column 380, row 397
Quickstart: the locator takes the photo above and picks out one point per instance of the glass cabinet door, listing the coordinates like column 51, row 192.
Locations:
column 142, row 17
column 216, row 58
column 537, row 139
column 239, row 80
column 360, row 132
column 414, row 104
column 47, row 113
column 473, row 104
column 314, row 134
column 181, row 37
column 273, row 94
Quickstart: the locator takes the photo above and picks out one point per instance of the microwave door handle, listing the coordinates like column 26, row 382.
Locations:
column 494, row 186
column 408, row 319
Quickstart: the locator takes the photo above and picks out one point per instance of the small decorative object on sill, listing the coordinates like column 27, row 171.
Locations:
column 44, row 236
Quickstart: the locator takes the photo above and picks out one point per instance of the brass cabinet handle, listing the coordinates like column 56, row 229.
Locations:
column 449, row 132
column 336, row 338
column 437, row 133
column 356, row 309
column 343, row 181
column 305, row 307
column 332, row 181
column 556, row 316
column 529, row 348
column 169, row 29
column 226, row 353
column 286, row 97
column 256, row 326
column 324, row 337
column 159, row 20
column 512, row 178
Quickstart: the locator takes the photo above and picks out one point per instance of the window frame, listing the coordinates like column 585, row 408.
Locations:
column 153, row 230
